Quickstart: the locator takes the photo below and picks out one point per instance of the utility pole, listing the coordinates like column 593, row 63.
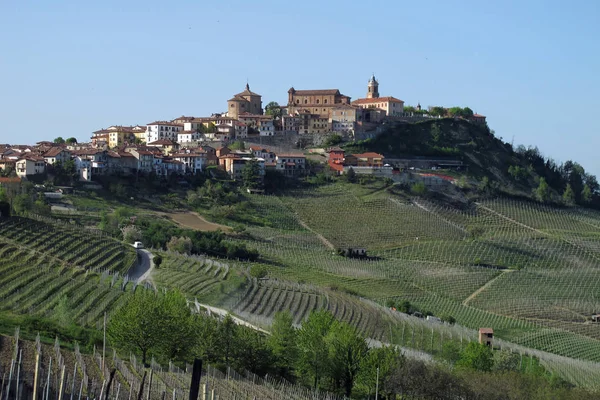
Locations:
column 104, row 343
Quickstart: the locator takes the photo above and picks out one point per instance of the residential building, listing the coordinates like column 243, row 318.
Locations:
column 344, row 118
column 336, row 158
column 486, row 336
column 234, row 165
column 291, row 165
column 253, row 121
column 165, row 145
column 162, row 130
column 369, row 159
column 30, row 165
column 290, row 123
column 115, row 136
column 56, row 154
column 244, row 102
column 193, row 161
column 261, row 152
column 241, row 129
column 392, row 106
column 145, row 159
column 266, row 127
column 94, row 159
column 313, row 123
column 478, row 119
column 315, row 101
column 188, row 136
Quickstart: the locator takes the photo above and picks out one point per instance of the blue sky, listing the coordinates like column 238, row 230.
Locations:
column 69, row 68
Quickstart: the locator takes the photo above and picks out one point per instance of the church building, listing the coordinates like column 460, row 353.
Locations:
column 244, row 102
column 317, row 102
column 391, row 105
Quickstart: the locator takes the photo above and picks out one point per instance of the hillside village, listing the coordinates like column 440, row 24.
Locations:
column 188, row 145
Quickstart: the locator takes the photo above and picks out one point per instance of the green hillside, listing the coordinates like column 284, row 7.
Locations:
column 510, row 170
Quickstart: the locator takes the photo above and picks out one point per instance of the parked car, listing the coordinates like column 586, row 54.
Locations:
column 138, row 245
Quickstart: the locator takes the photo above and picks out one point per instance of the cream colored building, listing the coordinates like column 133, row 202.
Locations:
column 315, row 101
column 244, row 102
column 392, row 106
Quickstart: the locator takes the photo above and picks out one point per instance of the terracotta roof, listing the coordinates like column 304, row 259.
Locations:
column 291, row 155
column 162, row 142
column 54, row 151
column 368, row 155
column 125, row 154
column 318, row 92
column 256, row 116
column 247, row 92
column 238, row 98
column 331, row 149
column 195, row 154
column 31, row 157
column 378, row 100
column 10, row 179
column 486, row 330
column 164, row 123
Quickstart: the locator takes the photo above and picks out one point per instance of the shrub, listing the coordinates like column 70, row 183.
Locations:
column 131, row 233
column 418, row 189
column 258, row 271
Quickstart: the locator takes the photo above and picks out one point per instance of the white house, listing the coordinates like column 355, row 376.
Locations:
column 266, row 127
column 291, row 164
column 188, row 136
column 30, row 166
column 57, row 154
column 158, row 130
column 193, row 161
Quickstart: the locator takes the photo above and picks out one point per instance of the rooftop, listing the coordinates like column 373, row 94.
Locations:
column 390, row 99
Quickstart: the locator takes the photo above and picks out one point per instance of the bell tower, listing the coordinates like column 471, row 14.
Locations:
column 373, row 88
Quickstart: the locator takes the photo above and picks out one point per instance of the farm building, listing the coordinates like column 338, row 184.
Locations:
column 596, row 318
column 486, row 335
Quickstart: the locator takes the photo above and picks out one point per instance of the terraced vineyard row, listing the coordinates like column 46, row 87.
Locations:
column 67, row 245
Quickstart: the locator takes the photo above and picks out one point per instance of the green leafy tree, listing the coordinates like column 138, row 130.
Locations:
column 586, row 195
column 386, row 359
column 436, row 133
column 347, row 350
column 131, row 233
column 351, row 175
column 466, row 112
column 313, row 358
column 476, row 356
column 137, row 325
column 282, row 343
column 568, row 195
column 332, row 140
column 450, row 352
column 542, row 193
column 22, row 203
column 59, row 140
column 227, row 339
column 251, row 175
column 506, row 361
column 437, row 111
column 252, row 352
column 71, row 140
column 418, row 188
column 157, row 260
column 273, row 109
column 177, row 336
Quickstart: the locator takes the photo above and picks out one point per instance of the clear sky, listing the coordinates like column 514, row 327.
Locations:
column 71, row 67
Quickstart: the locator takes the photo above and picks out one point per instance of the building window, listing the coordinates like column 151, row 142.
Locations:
column 305, row 101
column 325, row 101
column 317, row 101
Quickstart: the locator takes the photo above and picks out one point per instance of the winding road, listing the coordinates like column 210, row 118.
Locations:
column 142, row 271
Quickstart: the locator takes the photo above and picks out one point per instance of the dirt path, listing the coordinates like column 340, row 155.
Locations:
column 481, row 289
column 322, row 238
column 193, row 220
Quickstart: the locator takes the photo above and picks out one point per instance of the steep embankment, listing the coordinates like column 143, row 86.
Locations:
column 475, row 145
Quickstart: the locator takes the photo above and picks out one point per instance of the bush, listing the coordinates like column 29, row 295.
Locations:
column 258, row 271
column 418, row 189
column 131, row 233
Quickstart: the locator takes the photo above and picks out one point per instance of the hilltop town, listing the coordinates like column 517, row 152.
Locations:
column 188, row 144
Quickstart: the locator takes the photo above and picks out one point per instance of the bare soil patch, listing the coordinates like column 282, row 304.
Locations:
column 195, row 221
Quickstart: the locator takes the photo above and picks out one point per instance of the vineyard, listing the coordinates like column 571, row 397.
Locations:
column 529, row 271
column 53, row 271
column 64, row 374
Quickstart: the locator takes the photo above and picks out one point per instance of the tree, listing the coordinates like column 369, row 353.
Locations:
column 506, row 361
column 137, row 325
column 59, row 140
column 22, row 203
column 542, row 193
column 182, row 245
column 450, row 352
column 177, row 328
column 386, row 359
column 71, row 140
column 437, row 111
column 351, row 175
column 418, row 188
column 131, row 233
column 476, row 356
column 227, row 334
column 282, row 343
column 273, row 109
column 313, row 358
column 586, row 194
column 467, row 113
column 568, row 195
column 347, row 349
column 157, row 260
column 251, row 175
column 436, row 133
column 332, row 140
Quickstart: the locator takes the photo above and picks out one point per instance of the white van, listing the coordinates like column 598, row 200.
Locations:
column 138, row 245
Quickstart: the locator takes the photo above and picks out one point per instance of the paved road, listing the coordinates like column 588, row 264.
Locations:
column 143, row 269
